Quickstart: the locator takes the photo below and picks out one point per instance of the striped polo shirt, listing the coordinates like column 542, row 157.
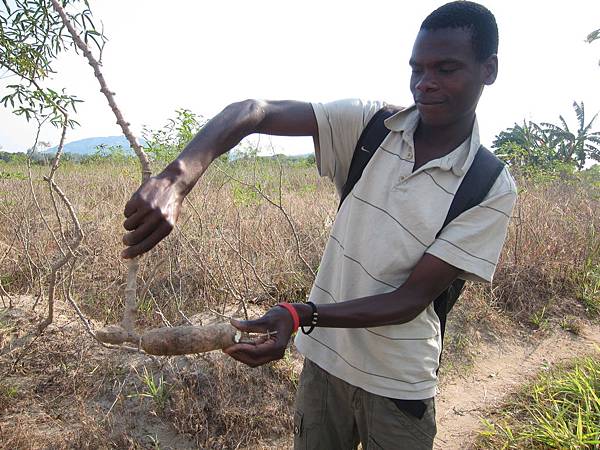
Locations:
column 384, row 227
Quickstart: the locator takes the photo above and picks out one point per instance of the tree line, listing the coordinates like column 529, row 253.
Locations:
column 549, row 146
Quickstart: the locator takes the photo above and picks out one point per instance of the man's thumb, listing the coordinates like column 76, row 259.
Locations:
column 250, row 326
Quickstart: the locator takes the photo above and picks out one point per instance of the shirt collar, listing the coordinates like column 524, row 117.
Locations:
column 458, row 160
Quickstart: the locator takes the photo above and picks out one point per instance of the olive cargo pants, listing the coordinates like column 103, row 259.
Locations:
column 334, row 415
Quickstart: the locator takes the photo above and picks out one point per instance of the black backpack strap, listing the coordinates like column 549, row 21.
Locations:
column 369, row 141
column 476, row 184
column 481, row 176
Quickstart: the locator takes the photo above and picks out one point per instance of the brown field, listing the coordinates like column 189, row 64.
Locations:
column 239, row 248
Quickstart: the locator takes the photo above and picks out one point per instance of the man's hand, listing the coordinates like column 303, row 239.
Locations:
column 151, row 214
column 266, row 349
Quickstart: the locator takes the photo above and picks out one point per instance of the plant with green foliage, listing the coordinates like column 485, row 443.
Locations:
column 530, row 135
column 576, row 145
column 17, row 158
column 32, row 35
column 165, row 144
column 561, row 410
column 539, row 320
column 155, row 388
column 591, row 176
column 111, row 153
column 532, row 147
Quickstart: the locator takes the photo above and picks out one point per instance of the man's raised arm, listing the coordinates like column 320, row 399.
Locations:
column 153, row 209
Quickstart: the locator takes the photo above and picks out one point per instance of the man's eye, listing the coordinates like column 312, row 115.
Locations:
column 446, row 70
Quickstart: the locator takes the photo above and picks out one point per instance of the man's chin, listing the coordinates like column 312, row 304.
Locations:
column 433, row 120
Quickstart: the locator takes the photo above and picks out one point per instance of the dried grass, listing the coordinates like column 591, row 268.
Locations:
column 233, row 253
column 553, row 235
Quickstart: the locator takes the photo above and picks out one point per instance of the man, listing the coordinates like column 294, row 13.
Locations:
column 371, row 362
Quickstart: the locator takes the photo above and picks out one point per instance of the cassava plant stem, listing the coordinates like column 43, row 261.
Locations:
column 130, row 311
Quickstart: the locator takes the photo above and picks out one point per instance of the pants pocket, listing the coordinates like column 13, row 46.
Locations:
column 425, row 426
column 392, row 428
column 310, row 407
column 299, row 435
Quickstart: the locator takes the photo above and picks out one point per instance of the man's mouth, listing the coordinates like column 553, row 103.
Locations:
column 429, row 102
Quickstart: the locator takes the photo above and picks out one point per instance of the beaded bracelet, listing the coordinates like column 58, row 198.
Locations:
column 314, row 319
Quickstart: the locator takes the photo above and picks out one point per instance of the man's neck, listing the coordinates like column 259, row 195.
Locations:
column 434, row 142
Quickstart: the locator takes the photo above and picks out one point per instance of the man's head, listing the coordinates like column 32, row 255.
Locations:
column 453, row 57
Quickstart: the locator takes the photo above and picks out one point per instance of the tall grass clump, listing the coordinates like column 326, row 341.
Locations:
column 551, row 259
column 561, row 410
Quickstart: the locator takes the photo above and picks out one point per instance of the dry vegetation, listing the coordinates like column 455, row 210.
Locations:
column 239, row 248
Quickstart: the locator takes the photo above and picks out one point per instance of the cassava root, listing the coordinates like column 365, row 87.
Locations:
column 174, row 340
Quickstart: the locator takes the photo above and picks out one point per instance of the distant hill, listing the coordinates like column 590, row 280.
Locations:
column 89, row 146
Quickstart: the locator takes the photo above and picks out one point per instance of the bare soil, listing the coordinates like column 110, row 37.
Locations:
column 63, row 391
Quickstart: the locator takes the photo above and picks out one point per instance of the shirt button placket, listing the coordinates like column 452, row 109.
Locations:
column 401, row 179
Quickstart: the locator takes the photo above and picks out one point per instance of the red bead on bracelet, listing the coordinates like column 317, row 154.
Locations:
column 294, row 313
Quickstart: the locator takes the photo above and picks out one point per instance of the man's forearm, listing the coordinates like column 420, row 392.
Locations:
column 218, row 136
column 430, row 277
column 395, row 307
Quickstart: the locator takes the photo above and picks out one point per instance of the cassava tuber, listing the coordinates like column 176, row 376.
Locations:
column 175, row 340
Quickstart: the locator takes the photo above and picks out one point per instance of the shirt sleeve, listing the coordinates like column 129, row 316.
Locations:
column 340, row 124
column 473, row 241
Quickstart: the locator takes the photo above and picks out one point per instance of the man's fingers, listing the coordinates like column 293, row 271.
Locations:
column 142, row 231
column 159, row 234
column 239, row 348
column 135, row 219
column 254, row 355
column 244, row 358
column 261, row 340
column 131, row 206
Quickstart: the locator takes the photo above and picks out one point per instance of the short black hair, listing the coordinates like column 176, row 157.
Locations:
column 471, row 16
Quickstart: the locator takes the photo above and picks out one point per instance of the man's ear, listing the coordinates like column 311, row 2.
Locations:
column 489, row 69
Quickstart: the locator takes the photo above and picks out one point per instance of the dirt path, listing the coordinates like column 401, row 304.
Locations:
column 500, row 370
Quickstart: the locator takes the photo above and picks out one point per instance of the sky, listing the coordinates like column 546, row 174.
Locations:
column 162, row 56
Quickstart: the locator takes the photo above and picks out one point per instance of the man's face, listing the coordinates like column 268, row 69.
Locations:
column 447, row 79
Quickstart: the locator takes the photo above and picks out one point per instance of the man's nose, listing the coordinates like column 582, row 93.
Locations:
column 427, row 83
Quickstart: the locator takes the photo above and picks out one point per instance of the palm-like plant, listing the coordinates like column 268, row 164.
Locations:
column 529, row 135
column 576, row 146
column 525, row 145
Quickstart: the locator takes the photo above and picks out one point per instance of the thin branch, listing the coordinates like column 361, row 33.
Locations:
column 84, row 320
column 53, row 169
column 61, row 261
column 33, row 194
column 264, row 285
column 280, row 208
